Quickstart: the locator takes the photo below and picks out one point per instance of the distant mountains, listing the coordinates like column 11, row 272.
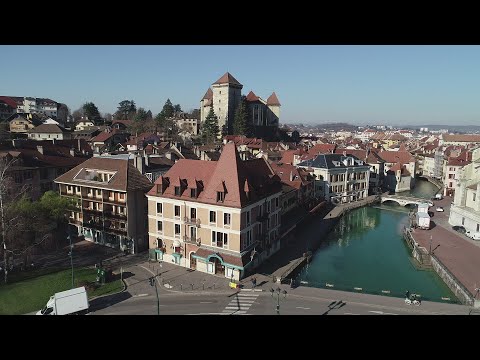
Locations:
column 450, row 128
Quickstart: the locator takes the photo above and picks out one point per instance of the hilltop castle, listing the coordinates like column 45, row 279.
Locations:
column 225, row 95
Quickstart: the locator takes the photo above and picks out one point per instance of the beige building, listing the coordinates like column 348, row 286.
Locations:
column 49, row 132
column 111, row 202
column 219, row 217
column 21, row 124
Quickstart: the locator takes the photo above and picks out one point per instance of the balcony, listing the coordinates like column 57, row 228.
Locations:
column 115, row 201
column 93, row 225
column 92, row 211
column 191, row 221
column 70, row 194
column 192, row 240
column 117, row 231
column 113, row 215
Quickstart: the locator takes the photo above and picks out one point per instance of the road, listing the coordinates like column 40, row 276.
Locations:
column 140, row 299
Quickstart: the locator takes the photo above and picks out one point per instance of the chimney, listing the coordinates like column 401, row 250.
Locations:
column 72, row 152
column 138, row 162
column 40, row 149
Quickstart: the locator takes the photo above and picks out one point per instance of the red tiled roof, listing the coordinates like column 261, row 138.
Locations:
column 208, row 95
column 230, row 172
column 273, row 100
column 104, row 136
column 252, row 97
column 48, row 129
column 461, row 138
column 396, row 156
column 9, row 101
column 127, row 177
column 227, row 78
column 322, row 149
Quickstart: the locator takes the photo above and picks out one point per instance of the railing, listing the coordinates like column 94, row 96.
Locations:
column 116, row 231
column 192, row 240
column 73, row 221
column 115, row 215
column 92, row 211
column 192, row 221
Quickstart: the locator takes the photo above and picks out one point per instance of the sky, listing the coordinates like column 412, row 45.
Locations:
column 358, row 84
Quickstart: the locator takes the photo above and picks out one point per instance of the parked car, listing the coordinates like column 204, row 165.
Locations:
column 473, row 235
column 430, row 203
column 460, row 229
column 439, row 209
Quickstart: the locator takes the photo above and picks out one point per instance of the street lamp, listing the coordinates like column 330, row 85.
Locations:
column 278, row 292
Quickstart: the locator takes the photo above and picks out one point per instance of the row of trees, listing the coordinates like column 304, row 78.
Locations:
column 25, row 223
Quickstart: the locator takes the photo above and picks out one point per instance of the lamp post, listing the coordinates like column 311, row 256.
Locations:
column 278, row 292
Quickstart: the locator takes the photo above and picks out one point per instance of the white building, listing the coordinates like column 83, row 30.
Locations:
column 49, row 132
column 339, row 178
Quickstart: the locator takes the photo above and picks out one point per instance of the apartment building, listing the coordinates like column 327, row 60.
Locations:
column 339, row 178
column 111, row 202
column 219, row 217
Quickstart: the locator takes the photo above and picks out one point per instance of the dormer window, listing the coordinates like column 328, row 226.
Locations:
column 220, row 196
column 177, row 191
column 193, row 193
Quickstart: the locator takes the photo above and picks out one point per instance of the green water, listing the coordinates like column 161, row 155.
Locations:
column 422, row 189
column 366, row 250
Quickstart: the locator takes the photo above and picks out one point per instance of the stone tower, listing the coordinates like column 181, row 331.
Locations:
column 205, row 103
column 274, row 107
column 226, row 97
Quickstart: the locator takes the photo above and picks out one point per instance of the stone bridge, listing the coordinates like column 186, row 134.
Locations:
column 403, row 200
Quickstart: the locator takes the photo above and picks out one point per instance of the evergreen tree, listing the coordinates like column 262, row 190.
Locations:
column 126, row 110
column 91, row 111
column 168, row 109
column 210, row 127
column 240, row 120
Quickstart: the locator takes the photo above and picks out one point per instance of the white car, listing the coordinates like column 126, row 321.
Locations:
column 473, row 235
column 440, row 209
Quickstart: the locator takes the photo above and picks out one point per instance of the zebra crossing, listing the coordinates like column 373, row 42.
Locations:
column 240, row 303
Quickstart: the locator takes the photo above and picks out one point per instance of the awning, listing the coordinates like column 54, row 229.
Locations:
column 177, row 255
column 176, row 243
column 158, row 251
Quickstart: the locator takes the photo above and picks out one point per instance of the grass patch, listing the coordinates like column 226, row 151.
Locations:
column 28, row 293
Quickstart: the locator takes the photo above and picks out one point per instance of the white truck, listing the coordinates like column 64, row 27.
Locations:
column 423, row 221
column 74, row 301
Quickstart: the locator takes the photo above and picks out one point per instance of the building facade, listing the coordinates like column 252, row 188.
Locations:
column 219, row 217
column 111, row 203
column 339, row 178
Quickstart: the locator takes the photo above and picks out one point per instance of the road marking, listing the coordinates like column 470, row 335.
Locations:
column 247, row 295
column 350, row 314
column 206, row 302
column 304, row 308
column 208, row 314
column 381, row 312
column 140, row 295
column 241, row 303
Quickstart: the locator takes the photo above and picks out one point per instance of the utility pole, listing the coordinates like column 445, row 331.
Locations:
column 153, row 282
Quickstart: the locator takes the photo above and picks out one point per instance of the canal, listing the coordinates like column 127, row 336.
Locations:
column 366, row 251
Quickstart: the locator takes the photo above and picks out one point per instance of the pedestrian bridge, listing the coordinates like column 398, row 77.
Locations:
column 403, row 200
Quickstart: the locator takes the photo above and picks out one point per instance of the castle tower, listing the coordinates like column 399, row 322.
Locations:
column 274, row 107
column 205, row 103
column 226, row 97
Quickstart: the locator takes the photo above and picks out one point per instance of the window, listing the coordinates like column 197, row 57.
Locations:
column 276, row 202
column 177, row 229
column 159, row 208
column 177, row 210
column 99, row 192
column 219, row 100
column 213, row 237
column 248, row 217
column 77, row 189
column 474, row 196
column 193, row 193
column 193, row 213
column 226, row 219
column 478, row 227
column 249, row 237
column 159, row 226
column 213, row 216
column 121, row 196
column 268, row 206
column 177, row 190
column 220, row 196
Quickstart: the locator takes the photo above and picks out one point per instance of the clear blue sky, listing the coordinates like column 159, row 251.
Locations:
column 355, row 84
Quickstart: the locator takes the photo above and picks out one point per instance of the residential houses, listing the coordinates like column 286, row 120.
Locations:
column 219, row 217
column 111, row 203
column 49, row 132
column 459, row 139
column 399, row 169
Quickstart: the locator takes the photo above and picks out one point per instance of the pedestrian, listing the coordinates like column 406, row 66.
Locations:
column 407, row 294
column 254, row 282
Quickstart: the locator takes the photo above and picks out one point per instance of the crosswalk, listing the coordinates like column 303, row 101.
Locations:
column 240, row 303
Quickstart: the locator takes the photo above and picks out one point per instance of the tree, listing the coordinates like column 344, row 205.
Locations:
column 108, row 117
column 177, row 108
column 168, row 109
column 240, row 119
column 140, row 115
column 126, row 110
column 149, row 115
column 78, row 114
column 210, row 127
column 90, row 110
